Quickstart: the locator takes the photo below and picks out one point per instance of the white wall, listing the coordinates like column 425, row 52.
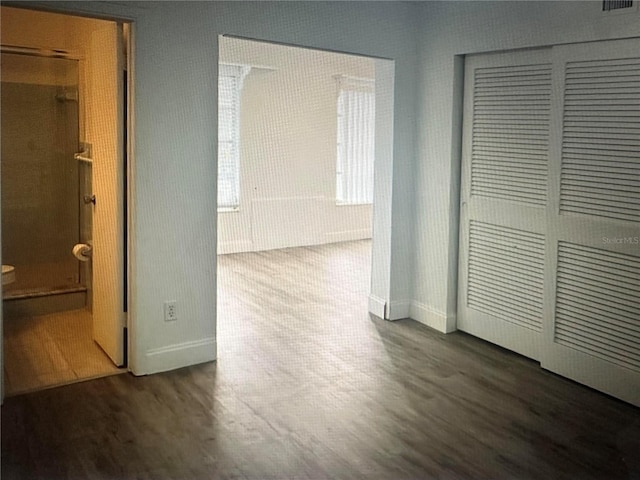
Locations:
column 175, row 57
column 447, row 30
column 288, row 149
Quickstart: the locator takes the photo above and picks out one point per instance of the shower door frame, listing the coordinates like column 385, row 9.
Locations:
column 63, row 55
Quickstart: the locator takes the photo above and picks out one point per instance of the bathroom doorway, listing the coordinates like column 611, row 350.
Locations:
column 63, row 198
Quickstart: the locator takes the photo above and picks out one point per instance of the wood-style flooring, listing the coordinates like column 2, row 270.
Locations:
column 49, row 350
column 308, row 385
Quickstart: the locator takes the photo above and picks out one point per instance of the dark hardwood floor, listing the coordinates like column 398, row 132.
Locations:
column 307, row 385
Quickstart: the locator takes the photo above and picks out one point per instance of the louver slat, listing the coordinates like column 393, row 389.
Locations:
column 601, row 139
column 510, row 131
column 583, row 314
column 506, row 274
column 598, row 304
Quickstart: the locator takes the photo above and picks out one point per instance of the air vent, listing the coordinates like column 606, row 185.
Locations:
column 609, row 5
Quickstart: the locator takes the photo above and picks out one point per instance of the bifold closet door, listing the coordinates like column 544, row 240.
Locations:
column 507, row 109
column 592, row 273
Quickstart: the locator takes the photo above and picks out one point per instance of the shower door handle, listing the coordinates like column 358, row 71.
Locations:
column 89, row 199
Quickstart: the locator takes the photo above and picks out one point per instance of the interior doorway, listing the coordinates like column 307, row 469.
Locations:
column 63, row 198
column 286, row 188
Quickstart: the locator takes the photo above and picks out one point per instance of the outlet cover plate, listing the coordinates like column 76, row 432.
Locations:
column 170, row 311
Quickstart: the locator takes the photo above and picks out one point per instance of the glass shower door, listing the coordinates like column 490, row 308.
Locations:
column 40, row 188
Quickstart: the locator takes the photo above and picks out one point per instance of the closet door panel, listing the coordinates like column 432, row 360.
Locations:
column 592, row 277
column 504, row 195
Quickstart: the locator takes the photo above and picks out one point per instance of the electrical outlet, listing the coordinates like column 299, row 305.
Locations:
column 170, row 311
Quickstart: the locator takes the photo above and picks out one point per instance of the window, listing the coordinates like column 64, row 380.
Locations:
column 356, row 135
column 230, row 78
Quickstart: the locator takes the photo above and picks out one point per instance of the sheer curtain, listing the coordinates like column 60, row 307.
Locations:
column 230, row 80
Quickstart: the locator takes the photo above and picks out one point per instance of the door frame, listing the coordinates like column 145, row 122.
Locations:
column 127, row 170
column 379, row 295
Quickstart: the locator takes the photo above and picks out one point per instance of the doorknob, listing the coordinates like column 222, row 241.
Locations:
column 89, row 199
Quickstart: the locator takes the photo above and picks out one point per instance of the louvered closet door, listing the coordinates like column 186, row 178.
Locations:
column 503, row 198
column 592, row 326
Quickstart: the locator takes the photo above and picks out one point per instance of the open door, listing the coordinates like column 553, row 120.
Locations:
column 105, row 133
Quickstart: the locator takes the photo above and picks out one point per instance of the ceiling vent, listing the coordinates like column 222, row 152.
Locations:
column 610, row 5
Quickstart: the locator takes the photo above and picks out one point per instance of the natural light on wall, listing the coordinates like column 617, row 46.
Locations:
column 230, row 79
column 356, row 138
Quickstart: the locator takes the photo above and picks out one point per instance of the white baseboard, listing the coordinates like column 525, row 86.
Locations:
column 177, row 356
column 235, row 247
column 376, row 306
column 347, row 235
column 432, row 318
column 399, row 309
column 393, row 311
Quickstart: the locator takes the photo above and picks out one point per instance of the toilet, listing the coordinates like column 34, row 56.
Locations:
column 8, row 274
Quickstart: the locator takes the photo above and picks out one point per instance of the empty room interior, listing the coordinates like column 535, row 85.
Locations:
column 387, row 240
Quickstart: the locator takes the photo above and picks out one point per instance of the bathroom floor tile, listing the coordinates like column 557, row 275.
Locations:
column 51, row 350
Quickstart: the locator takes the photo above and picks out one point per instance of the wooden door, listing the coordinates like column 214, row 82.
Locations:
column 105, row 134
